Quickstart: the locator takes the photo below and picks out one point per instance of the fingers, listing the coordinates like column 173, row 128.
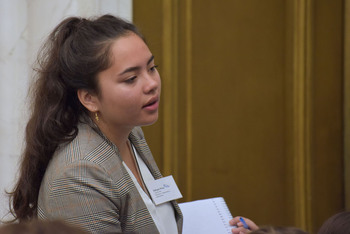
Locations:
column 240, row 230
column 240, row 226
column 235, row 220
column 251, row 224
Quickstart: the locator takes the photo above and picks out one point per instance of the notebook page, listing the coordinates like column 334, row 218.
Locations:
column 206, row 216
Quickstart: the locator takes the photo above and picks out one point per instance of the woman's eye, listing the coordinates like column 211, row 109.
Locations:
column 153, row 68
column 130, row 80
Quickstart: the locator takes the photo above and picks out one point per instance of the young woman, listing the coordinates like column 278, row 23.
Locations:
column 86, row 160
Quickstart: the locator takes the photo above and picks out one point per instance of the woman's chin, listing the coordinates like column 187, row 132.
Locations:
column 150, row 121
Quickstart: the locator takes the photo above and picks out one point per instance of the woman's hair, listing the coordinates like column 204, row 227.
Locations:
column 278, row 230
column 76, row 51
column 336, row 224
column 40, row 227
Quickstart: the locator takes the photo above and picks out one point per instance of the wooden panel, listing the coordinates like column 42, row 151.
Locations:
column 252, row 104
column 239, row 106
column 347, row 102
column 327, row 97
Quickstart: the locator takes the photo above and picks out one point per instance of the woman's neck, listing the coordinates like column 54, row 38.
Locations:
column 118, row 135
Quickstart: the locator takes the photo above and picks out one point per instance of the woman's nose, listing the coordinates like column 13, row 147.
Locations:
column 152, row 83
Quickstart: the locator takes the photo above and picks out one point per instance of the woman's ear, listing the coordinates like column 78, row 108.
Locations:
column 90, row 101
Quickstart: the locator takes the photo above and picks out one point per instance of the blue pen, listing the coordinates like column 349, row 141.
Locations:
column 245, row 225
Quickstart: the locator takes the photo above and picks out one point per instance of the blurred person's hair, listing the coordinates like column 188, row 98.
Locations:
column 278, row 230
column 336, row 224
column 40, row 227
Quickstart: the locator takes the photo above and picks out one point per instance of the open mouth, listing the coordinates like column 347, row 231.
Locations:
column 152, row 105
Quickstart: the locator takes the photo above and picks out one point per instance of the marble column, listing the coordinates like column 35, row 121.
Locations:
column 24, row 24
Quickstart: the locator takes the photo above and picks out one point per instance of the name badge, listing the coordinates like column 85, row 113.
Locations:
column 163, row 190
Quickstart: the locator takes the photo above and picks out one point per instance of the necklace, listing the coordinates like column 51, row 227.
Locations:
column 133, row 155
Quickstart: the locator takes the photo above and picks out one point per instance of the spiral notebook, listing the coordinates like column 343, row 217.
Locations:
column 206, row 216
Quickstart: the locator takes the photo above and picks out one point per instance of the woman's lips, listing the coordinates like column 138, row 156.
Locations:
column 152, row 106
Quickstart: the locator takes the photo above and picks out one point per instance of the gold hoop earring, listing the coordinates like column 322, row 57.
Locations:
column 96, row 117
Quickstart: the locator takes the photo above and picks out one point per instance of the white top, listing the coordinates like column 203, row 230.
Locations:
column 163, row 215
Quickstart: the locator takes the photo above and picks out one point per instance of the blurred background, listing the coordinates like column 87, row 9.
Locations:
column 254, row 103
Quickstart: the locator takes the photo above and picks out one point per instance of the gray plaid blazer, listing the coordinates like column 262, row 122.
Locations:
column 86, row 185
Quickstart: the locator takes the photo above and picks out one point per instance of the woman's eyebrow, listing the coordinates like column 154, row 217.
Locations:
column 130, row 69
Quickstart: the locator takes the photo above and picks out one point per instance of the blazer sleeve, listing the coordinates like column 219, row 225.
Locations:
column 83, row 194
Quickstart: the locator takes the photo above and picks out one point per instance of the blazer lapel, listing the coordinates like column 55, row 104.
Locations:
column 137, row 139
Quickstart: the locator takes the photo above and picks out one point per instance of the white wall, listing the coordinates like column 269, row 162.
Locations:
column 24, row 24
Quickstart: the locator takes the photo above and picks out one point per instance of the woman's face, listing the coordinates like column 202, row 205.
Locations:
column 130, row 88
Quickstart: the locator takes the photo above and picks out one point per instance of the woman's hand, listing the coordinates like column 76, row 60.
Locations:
column 240, row 226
